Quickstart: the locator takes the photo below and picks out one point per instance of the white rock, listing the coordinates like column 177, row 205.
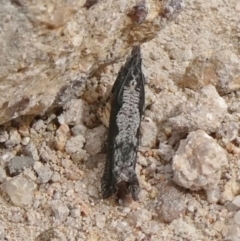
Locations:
column 198, row 162
column 95, row 139
column 74, row 144
column 149, row 133
column 14, row 138
column 3, row 136
column 100, row 221
column 20, row 190
column 60, row 211
column 25, row 140
column 213, row 194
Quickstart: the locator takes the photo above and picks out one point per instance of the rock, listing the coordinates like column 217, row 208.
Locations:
column 79, row 129
column 220, row 68
column 60, row 210
column 236, row 201
column 230, row 190
column 3, row 136
column 219, row 226
column 44, row 172
column 75, row 213
column 233, row 232
column 139, row 217
column 237, row 218
column 95, row 139
column 213, row 194
column 61, row 137
column 20, row 190
column 205, row 110
column 73, row 112
column 31, row 150
column 229, row 131
column 148, row 133
column 47, row 235
column 18, row 163
column 39, row 125
column 14, row 138
column 166, row 152
column 25, row 140
column 100, row 221
column 87, row 36
column 198, row 161
column 2, row 175
column 184, row 229
column 170, row 203
column 74, row 144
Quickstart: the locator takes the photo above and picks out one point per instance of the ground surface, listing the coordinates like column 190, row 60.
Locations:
column 56, row 196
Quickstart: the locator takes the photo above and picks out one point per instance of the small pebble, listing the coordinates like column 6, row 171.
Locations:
column 60, row 211
column 31, row 150
column 75, row 213
column 213, row 194
column 100, row 221
column 14, row 138
column 44, row 174
column 170, row 204
column 25, row 140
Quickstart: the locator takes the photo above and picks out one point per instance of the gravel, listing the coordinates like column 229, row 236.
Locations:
column 51, row 166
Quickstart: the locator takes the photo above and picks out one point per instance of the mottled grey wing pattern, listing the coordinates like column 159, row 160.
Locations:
column 128, row 98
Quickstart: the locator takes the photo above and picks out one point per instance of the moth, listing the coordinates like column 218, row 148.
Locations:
column 127, row 105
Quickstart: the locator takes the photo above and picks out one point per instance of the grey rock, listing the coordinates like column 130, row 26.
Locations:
column 18, row 163
column 170, row 203
column 44, row 172
column 31, row 150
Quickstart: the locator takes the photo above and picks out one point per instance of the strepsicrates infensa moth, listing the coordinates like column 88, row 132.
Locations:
column 127, row 104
